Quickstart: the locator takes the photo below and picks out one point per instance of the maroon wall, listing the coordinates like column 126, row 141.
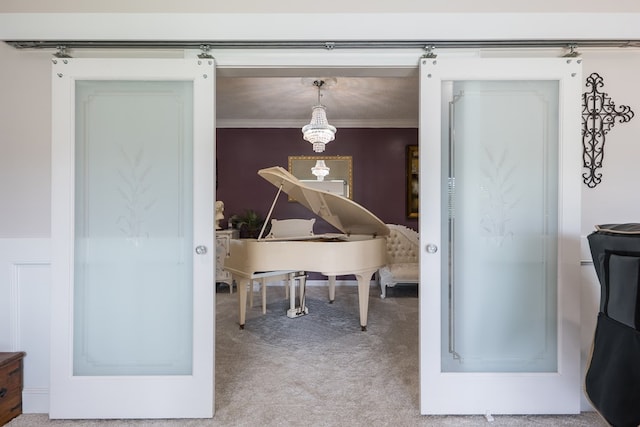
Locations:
column 379, row 176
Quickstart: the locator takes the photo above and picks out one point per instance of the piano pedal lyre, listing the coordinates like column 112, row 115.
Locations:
column 297, row 312
column 302, row 310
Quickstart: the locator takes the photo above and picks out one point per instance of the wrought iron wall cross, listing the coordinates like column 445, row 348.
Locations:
column 599, row 114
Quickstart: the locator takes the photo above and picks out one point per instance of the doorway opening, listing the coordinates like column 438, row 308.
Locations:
column 260, row 112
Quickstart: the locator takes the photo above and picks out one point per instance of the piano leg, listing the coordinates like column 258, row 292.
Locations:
column 243, row 284
column 292, row 292
column 263, row 289
column 332, row 288
column 364, row 282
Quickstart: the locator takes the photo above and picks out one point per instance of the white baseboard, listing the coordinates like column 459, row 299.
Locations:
column 35, row 401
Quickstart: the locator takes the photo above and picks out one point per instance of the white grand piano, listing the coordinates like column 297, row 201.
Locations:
column 359, row 250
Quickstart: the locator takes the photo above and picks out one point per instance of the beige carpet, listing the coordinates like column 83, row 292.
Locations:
column 320, row 369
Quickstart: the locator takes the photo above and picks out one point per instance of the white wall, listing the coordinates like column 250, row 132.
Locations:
column 25, row 140
column 25, row 211
column 616, row 198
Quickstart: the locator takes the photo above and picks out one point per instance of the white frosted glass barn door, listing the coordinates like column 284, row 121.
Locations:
column 499, row 290
column 133, row 337
column 502, row 297
column 133, row 228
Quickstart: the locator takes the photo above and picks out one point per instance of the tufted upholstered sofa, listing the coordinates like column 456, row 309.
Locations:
column 403, row 265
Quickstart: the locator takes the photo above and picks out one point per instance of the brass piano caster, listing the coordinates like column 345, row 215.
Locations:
column 241, row 326
column 364, row 328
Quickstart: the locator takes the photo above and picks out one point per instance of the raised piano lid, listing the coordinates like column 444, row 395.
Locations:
column 341, row 212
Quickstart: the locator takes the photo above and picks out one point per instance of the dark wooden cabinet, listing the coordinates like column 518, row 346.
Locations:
column 10, row 385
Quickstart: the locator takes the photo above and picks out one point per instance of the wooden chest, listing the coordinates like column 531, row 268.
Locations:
column 10, row 386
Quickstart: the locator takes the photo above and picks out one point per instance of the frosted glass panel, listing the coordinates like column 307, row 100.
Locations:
column 499, row 286
column 133, row 276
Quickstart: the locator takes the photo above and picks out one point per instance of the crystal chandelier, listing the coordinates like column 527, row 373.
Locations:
column 319, row 132
column 320, row 170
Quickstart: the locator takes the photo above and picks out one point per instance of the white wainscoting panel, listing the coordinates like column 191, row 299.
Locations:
column 25, row 285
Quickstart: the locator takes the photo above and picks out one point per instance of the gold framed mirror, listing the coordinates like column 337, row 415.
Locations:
column 338, row 181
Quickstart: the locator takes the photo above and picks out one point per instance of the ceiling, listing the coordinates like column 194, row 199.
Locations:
column 351, row 101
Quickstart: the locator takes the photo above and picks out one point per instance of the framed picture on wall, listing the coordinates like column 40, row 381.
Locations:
column 413, row 189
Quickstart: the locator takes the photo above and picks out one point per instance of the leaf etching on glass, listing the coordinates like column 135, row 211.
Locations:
column 498, row 199
column 133, row 188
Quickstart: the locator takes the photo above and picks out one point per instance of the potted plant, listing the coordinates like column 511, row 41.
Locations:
column 248, row 223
